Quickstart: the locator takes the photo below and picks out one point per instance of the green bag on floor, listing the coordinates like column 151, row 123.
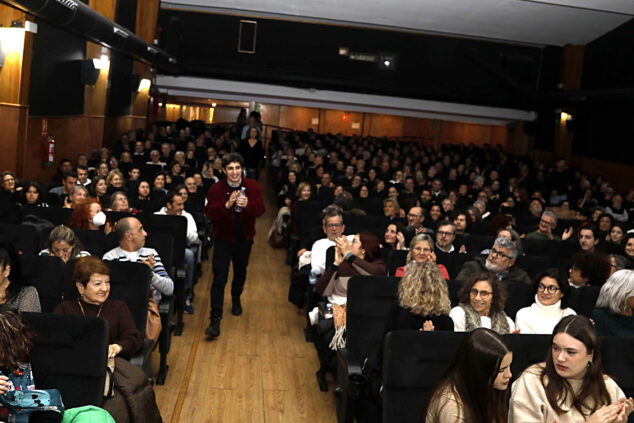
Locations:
column 87, row 414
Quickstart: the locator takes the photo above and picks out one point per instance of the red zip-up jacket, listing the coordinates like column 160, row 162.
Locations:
column 223, row 220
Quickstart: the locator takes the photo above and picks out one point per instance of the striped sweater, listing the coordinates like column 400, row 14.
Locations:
column 161, row 281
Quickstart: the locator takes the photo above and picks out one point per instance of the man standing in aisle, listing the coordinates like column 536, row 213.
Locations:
column 233, row 204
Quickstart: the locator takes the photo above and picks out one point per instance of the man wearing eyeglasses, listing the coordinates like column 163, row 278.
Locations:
column 547, row 224
column 500, row 261
column 446, row 253
column 415, row 219
column 332, row 221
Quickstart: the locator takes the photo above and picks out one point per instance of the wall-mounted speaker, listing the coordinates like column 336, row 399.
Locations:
column 247, row 33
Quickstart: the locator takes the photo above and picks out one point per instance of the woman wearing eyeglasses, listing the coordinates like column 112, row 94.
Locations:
column 482, row 299
column 549, row 306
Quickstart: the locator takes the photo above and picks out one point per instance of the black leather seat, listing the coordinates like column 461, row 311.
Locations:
column 370, row 299
column 93, row 241
column 45, row 273
column 70, row 354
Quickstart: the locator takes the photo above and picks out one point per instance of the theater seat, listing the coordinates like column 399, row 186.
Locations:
column 370, row 299
column 582, row 300
column 70, row 355
column 414, row 361
column 45, row 273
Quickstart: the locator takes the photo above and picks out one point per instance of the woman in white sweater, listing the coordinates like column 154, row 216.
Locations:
column 481, row 305
column 548, row 309
column 569, row 387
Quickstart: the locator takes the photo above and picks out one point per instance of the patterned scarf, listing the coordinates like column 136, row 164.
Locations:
column 499, row 322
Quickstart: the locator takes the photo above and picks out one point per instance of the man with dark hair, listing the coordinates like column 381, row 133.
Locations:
column 233, row 204
column 65, row 166
column 588, row 238
column 589, row 269
column 175, row 206
column 62, row 192
column 82, row 175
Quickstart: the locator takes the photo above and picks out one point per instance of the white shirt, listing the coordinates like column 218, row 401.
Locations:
column 192, row 229
column 318, row 254
column 459, row 320
column 539, row 318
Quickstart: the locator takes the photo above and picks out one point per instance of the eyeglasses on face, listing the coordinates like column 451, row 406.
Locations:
column 551, row 289
column 483, row 294
column 443, row 233
column 333, row 225
column 498, row 253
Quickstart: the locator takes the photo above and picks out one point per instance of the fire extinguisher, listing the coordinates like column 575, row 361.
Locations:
column 49, row 151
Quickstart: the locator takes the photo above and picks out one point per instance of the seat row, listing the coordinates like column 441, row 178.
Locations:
column 370, row 299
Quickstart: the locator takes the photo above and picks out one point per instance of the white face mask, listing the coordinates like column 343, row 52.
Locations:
column 99, row 219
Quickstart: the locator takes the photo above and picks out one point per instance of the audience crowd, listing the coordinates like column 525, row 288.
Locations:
column 465, row 228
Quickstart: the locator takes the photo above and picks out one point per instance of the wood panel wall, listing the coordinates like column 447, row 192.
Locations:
column 73, row 135
column 146, row 16
column 14, row 91
column 8, row 14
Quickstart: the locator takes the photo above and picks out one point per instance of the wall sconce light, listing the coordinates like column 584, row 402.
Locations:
column 213, row 104
column 104, row 61
column 144, row 85
column 565, row 117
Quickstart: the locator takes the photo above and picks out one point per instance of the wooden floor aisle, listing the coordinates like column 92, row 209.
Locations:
column 260, row 369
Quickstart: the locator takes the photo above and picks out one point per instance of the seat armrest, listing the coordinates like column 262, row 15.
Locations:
column 353, row 377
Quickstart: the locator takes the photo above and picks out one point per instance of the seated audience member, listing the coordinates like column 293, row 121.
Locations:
column 99, row 188
column 82, row 175
column 62, row 191
column 588, row 238
column 140, row 199
column 423, row 301
column 500, row 261
column 628, row 249
column 115, row 181
column 118, row 202
column 616, row 209
column 17, row 386
column 570, row 385
column 176, row 207
column 394, row 238
column 92, row 279
column 63, row 243
column 618, row 262
column 415, row 220
column 9, row 186
column 589, row 269
column 481, row 305
column 33, row 195
column 362, row 256
column 613, row 313
column 468, row 393
column 461, row 222
column 333, row 227
column 89, row 215
column 421, row 250
column 549, row 306
column 614, row 240
column 445, row 236
column 131, row 237
column 12, row 290
column 435, row 217
column 392, row 210
column 286, row 196
column 547, row 225
column 77, row 194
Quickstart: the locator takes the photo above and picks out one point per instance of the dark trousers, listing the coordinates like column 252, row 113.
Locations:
column 224, row 253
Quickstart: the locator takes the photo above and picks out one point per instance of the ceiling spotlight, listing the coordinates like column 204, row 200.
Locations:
column 387, row 63
column 344, row 51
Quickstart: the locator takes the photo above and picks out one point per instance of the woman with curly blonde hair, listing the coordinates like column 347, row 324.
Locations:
column 423, row 300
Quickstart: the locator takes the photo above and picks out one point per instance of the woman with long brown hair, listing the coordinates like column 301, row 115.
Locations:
column 569, row 387
column 474, row 393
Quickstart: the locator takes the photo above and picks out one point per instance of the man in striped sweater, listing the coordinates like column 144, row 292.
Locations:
column 131, row 236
